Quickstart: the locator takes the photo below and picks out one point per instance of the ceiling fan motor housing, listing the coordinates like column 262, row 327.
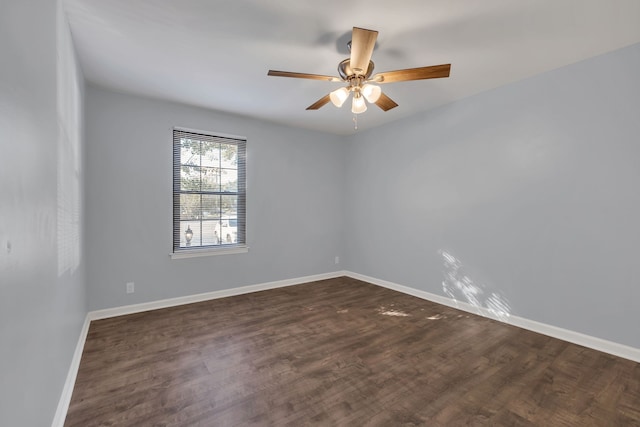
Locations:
column 346, row 72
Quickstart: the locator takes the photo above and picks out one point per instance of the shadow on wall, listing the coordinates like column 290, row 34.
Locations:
column 69, row 202
column 459, row 287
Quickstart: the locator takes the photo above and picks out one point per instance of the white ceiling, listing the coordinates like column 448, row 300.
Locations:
column 216, row 54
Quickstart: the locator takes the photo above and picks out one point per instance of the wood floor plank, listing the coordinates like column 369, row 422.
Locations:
column 341, row 352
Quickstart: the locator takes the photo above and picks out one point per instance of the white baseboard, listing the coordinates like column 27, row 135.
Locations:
column 67, row 390
column 171, row 302
column 599, row 344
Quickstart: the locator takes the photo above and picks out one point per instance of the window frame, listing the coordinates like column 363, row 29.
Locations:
column 211, row 249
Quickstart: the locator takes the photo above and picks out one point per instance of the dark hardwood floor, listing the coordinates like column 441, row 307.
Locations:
column 346, row 353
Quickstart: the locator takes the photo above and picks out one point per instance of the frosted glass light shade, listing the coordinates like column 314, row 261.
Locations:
column 338, row 96
column 358, row 105
column 371, row 92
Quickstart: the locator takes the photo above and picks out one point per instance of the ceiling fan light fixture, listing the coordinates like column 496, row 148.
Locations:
column 338, row 96
column 371, row 92
column 358, row 105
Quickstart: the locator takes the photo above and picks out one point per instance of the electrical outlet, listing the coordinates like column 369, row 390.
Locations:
column 130, row 287
column 337, row 260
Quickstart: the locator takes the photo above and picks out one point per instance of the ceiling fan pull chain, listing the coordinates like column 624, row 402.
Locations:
column 355, row 121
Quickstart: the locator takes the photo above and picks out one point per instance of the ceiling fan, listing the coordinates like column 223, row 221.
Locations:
column 356, row 71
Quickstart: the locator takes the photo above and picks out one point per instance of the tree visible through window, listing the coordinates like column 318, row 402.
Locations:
column 208, row 191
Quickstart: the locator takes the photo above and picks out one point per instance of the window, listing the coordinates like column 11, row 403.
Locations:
column 209, row 195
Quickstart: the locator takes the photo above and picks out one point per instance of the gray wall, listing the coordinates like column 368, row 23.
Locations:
column 294, row 184
column 532, row 188
column 42, row 281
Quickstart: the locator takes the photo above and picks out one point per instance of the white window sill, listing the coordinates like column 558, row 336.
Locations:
column 195, row 253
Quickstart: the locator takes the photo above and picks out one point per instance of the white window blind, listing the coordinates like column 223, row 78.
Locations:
column 209, row 191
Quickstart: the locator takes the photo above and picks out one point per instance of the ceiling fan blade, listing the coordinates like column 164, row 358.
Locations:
column 303, row 76
column 319, row 103
column 432, row 72
column 385, row 102
column 362, row 44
